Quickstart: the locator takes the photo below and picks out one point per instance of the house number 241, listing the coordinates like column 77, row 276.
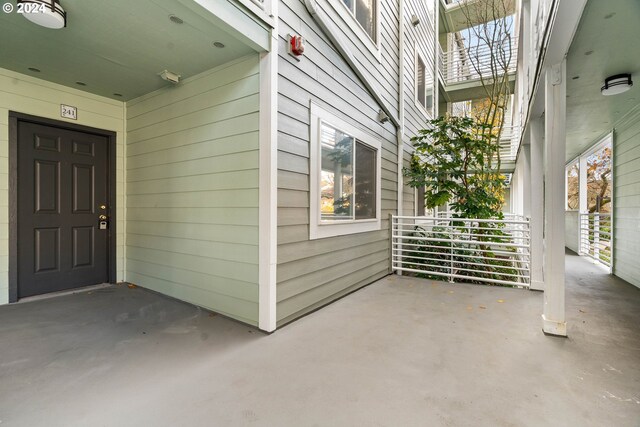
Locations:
column 68, row 112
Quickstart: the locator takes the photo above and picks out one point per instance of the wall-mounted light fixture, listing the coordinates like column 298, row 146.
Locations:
column 46, row 13
column 616, row 84
column 415, row 21
column 382, row 117
column 170, row 77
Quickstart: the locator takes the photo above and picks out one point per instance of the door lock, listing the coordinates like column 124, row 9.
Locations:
column 103, row 217
column 103, row 207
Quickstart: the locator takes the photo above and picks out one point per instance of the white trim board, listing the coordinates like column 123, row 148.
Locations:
column 268, row 186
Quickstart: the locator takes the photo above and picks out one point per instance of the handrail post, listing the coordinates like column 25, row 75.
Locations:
column 390, row 243
column 596, row 236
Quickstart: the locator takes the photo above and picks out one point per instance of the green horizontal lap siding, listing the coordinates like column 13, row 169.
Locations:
column 192, row 190
column 626, row 203
column 28, row 95
column 311, row 273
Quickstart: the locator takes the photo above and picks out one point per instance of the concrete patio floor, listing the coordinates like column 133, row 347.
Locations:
column 401, row 352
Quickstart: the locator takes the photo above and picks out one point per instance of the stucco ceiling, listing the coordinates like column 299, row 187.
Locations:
column 606, row 43
column 115, row 46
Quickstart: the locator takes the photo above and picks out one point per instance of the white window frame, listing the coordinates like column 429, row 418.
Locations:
column 319, row 228
column 422, row 108
column 349, row 18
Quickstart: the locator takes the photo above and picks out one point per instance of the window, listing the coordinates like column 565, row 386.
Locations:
column 345, row 177
column 365, row 13
column 573, row 186
column 424, row 89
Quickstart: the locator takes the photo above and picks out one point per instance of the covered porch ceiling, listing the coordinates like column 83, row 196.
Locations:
column 118, row 48
column 606, row 43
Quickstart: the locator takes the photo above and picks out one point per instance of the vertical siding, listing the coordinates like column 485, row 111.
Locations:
column 192, row 190
column 626, row 203
column 312, row 273
column 25, row 94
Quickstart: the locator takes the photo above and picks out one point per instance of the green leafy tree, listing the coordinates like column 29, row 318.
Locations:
column 453, row 162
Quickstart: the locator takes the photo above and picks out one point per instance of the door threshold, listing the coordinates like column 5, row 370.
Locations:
column 65, row 292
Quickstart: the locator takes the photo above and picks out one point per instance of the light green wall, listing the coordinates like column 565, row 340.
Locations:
column 626, row 197
column 192, row 190
column 25, row 94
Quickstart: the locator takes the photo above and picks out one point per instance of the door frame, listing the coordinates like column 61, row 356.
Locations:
column 14, row 118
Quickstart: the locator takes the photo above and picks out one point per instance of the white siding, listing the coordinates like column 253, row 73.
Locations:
column 192, row 190
column 572, row 230
column 28, row 95
column 626, row 194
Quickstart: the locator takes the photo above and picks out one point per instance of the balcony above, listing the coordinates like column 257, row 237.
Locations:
column 462, row 71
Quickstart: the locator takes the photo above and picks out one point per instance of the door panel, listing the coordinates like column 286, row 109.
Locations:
column 62, row 184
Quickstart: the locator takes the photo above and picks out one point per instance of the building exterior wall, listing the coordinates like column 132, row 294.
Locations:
column 626, row 197
column 311, row 273
column 28, row 95
column 192, row 190
column 572, row 230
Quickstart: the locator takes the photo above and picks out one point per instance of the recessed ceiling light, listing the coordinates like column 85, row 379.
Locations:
column 35, row 70
column 589, row 52
column 175, row 19
column 81, row 83
column 575, row 77
column 218, row 44
column 117, row 94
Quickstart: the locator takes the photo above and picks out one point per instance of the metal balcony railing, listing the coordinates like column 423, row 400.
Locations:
column 472, row 63
column 595, row 236
column 487, row 251
column 509, row 143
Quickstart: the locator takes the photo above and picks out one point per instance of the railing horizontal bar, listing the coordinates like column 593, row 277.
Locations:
column 457, row 268
column 399, row 257
column 513, row 236
column 459, row 276
column 467, row 242
column 505, row 221
column 495, row 251
column 524, row 255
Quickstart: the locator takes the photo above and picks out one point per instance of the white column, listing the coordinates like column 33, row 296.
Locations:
column 582, row 200
column 526, row 181
column 553, row 317
column 536, row 132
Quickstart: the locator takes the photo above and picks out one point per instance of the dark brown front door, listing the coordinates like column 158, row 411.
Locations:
column 62, row 190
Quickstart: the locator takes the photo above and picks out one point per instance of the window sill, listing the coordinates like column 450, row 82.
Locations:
column 333, row 229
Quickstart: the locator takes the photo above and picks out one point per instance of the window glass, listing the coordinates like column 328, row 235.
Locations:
column 348, row 177
column 365, row 13
column 365, row 200
column 421, row 83
column 336, row 180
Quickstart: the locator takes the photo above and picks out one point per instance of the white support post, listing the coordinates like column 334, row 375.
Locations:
column 582, row 203
column 553, row 317
column 536, row 130
column 268, row 188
